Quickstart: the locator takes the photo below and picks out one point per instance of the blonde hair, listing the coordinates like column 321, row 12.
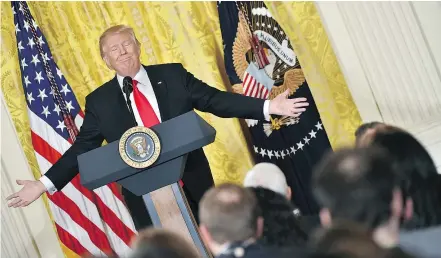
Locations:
column 115, row 30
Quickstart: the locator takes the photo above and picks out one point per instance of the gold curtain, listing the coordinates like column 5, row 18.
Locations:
column 184, row 32
column 302, row 24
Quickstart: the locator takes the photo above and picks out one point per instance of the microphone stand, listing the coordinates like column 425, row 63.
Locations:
column 128, row 88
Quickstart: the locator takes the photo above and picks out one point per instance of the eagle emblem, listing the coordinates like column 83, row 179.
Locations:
column 139, row 147
column 264, row 60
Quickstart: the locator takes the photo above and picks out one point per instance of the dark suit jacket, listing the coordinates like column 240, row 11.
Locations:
column 107, row 117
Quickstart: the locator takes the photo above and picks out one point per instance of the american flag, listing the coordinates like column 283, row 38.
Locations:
column 95, row 222
column 254, row 84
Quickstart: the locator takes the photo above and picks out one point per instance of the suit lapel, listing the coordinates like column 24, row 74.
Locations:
column 160, row 88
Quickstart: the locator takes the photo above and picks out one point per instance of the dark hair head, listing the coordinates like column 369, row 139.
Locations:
column 280, row 226
column 364, row 127
column 356, row 184
column 348, row 239
column 420, row 179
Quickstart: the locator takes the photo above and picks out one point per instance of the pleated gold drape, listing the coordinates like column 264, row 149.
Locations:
column 184, row 32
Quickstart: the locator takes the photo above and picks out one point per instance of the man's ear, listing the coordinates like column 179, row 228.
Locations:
column 325, row 218
column 288, row 193
column 408, row 209
column 106, row 60
column 205, row 235
column 259, row 231
column 397, row 203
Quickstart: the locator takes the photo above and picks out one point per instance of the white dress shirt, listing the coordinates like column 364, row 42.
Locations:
column 145, row 87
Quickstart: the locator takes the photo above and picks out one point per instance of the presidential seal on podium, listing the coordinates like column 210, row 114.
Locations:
column 139, row 147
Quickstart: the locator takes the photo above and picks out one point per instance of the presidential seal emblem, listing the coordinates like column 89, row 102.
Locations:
column 264, row 60
column 139, row 147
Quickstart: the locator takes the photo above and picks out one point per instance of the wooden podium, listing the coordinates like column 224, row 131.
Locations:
column 163, row 197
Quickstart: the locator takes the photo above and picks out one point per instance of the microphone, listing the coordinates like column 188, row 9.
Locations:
column 128, row 89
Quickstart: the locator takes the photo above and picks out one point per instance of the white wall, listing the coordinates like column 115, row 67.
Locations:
column 25, row 232
column 390, row 55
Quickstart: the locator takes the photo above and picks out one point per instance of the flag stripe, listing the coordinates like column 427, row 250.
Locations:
column 108, row 215
column 70, row 241
column 65, row 221
column 70, row 207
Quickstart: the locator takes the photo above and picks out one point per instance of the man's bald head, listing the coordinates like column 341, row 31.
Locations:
column 229, row 213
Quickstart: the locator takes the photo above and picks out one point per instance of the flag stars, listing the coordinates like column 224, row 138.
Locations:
column 276, row 153
column 293, row 150
column 300, row 145
column 319, row 126
column 16, row 28
column 42, row 94
column 21, row 9
column 23, row 63
column 45, row 57
column 57, row 109
column 20, row 46
column 38, row 77
column 312, row 134
column 26, row 25
column 13, row 10
column 35, row 59
column 306, row 139
column 256, row 149
column 40, row 40
column 61, row 125
column 64, row 89
column 282, row 153
column 31, row 43
column 69, row 105
column 30, row 98
column 26, row 80
column 59, row 73
column 281, row 32
column 270, row 153
column 34, row 24
column 46, row 111
column 262, row 152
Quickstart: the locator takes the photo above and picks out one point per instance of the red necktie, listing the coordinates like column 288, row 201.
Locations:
column 145, row 110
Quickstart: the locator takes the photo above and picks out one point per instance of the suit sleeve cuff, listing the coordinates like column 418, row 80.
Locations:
column 266, row 113
column 50, row 187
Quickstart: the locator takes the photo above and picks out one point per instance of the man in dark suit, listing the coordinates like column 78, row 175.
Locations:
column 160, row 92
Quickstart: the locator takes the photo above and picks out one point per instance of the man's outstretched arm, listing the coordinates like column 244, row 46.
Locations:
column 65, row 169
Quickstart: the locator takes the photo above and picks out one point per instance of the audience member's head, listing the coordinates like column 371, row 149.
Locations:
column 228, row 214
column 420, row 179
column 269, row 176
column 360, row 185
column 159, row 243
column 280, row 225
column 364, row 129
column 349, row 239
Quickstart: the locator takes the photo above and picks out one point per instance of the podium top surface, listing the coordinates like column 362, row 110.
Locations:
column 177, row 136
